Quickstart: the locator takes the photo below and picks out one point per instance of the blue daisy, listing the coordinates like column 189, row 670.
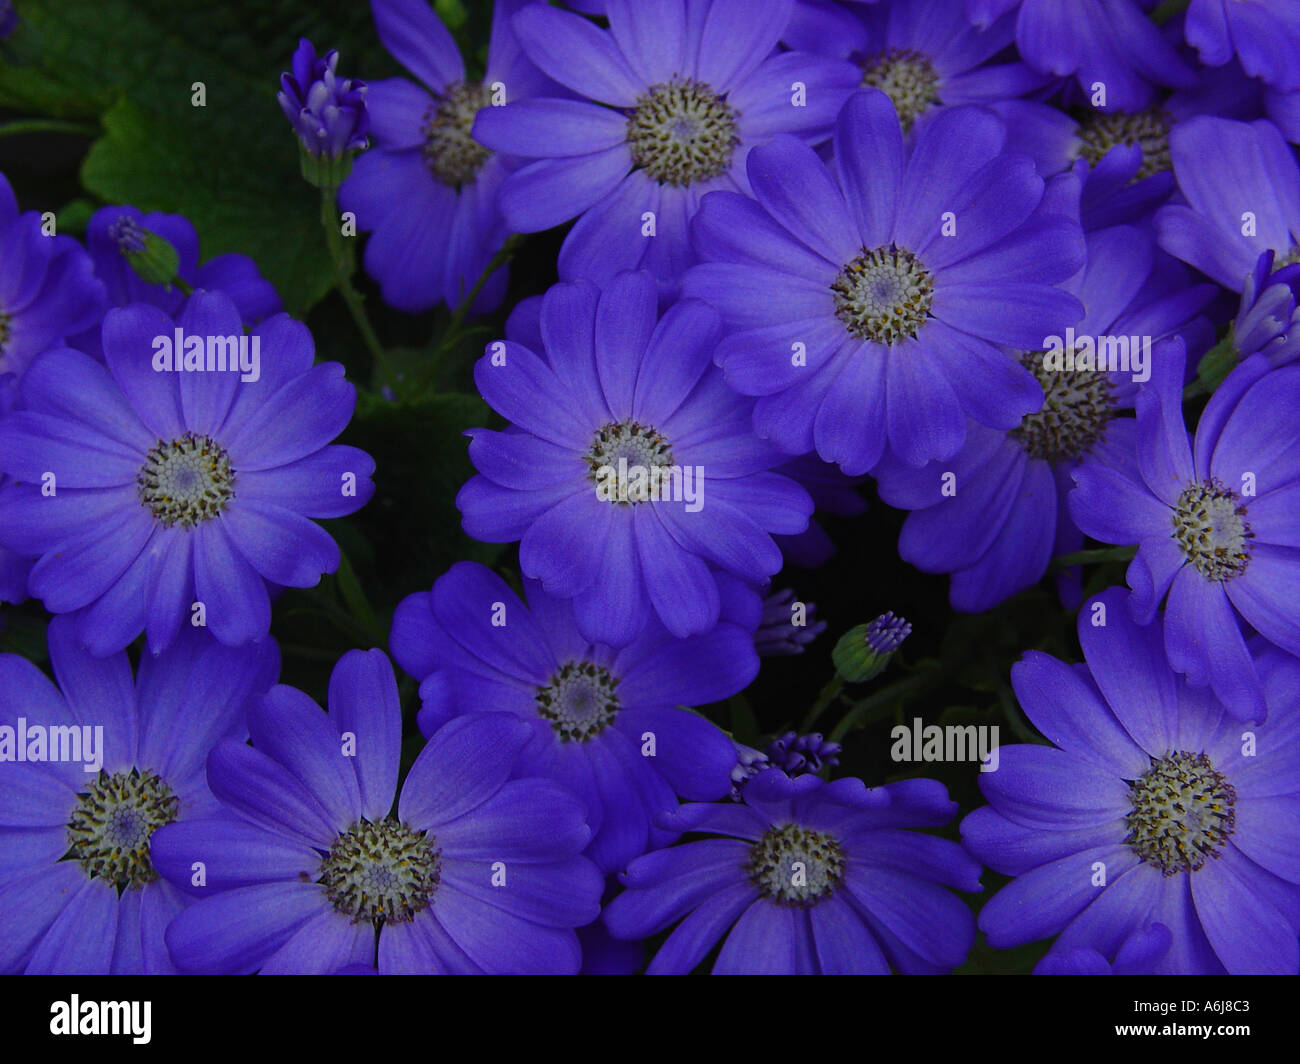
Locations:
column 1001, row 518
column 866, row 312
column 309, row 868
column 806, row 877
column 605, row 723
column 1152, row 805
column 619, row 387
column 672, row 98
column 426, row 191
column 1214, row 519
column 79, row 893
column 155, row 499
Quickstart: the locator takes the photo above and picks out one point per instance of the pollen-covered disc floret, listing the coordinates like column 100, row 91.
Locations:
column 452, row 154
column 907, row 77
column 1210, row 525
column 384, row 872
column 1147, row 129
column 1077, row 407
column 794, row 865
column 110, row 829
column 884, row 295
column 580, row 701
column 186, row 481
column 1183, row 813
column 681, row 132
column 640, row 445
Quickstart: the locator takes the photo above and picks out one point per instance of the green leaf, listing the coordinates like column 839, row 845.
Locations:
column 238, row 198
column 230, row 166
column 355, row 598
column 74, row 216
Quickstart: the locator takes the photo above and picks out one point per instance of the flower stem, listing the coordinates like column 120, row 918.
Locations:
column 341, row 255
column 455, row 326
column 908, row 685
column 1087, row 557
column 504, row 255
column 828, row 695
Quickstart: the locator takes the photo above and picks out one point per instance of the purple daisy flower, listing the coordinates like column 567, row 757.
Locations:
column 1263, row 34
column 605, row 723
column 310, row 869
column 1098, row 42
column 925, row 56
column 806, row 877
column 674, row 96
column 1242, row 187
column 1151, row 805
column 326, row 111
column 1214, row 519
column 619, row 389
column 831, row 491
column 1123, row 157
column 151, row 497
column 48, row 289
column 994, row 516
column 114, row 234
column 78, row 892
column 1267, row 320
column 867, row 313
column 427, row 190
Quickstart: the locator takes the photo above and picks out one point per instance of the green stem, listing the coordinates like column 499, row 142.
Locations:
column 504, row 255
column 828, row 695
column 47, row 125
column 884, row 697
column 1087, row 557
column 452, row 333
column 1216, row 364
column 341, row 256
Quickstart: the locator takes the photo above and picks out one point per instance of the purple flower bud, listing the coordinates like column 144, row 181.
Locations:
column 886, row 633
column 785, row 629
column 8, row 19
column 1267, row 319
column 128, row 234
column 796, row 754
column 327, row 112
